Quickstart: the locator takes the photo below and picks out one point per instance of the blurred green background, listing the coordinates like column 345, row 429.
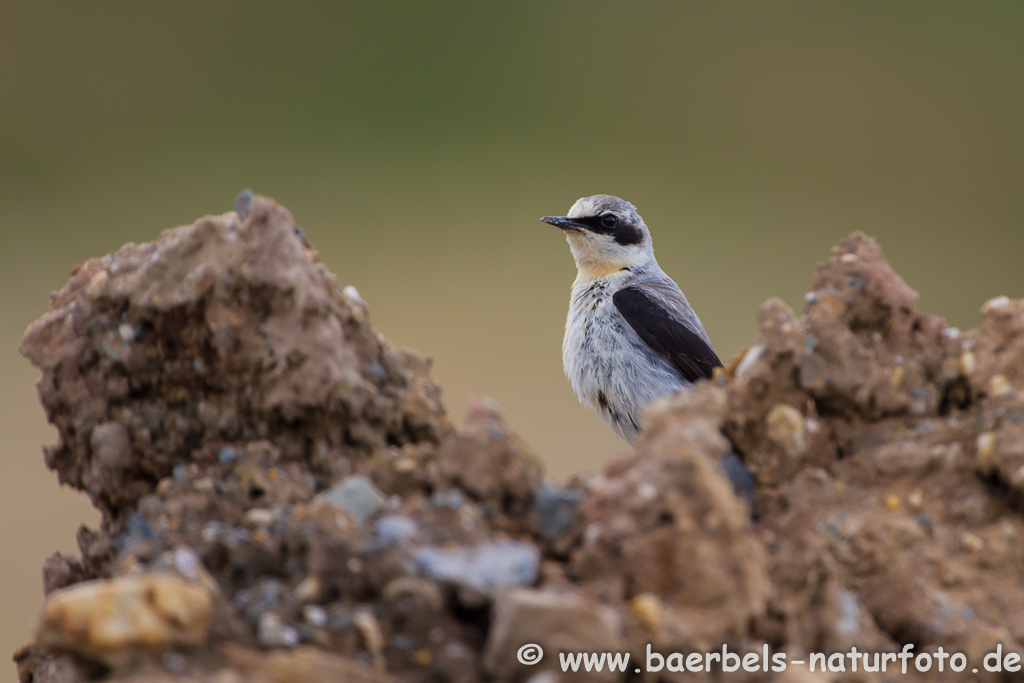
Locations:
column 418, row 144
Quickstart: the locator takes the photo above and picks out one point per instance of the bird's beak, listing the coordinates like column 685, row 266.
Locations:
column 563, row 222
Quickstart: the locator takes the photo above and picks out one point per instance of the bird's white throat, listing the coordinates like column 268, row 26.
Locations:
column 597, row 257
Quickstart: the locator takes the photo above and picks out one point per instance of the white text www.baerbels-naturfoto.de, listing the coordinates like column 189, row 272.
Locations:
column 903, row 662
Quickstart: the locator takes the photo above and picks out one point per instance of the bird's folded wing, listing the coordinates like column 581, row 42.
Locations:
column 666, row 334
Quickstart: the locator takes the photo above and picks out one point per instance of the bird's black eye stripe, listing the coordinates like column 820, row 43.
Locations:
column 624, row 233
column 597, row 223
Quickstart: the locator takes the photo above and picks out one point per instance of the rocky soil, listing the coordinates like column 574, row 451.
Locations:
column 285, row 499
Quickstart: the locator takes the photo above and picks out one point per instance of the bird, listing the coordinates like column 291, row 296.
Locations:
column 630, row 335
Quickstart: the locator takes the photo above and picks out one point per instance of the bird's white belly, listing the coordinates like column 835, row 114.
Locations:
column 611, row 370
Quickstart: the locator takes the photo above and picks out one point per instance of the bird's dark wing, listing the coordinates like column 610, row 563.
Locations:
column 666, row 334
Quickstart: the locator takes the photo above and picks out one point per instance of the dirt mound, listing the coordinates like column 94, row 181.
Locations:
column 284, row 498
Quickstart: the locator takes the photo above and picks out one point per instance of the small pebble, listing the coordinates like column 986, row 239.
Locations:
column 393, row 529
column 243, row 203
column 849, row 622
column 785, row 426
column 310, row 589
column 995, row 305
column 188, row 565
column 139, row 535
column 448, row 499
column 749, row 360
column 403, row 641
column 999, row 386
column 972, row 542
column 315, row 615
column 352, row 294
column 986, row 446
column 175, row 662
column 373, row 638
column 97, row 283
column 257, row 517
column 739, row 475
column 967, row 362
column 649, row 609
column 271, row 631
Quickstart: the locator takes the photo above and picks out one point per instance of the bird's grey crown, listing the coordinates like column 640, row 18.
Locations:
column 597, row 204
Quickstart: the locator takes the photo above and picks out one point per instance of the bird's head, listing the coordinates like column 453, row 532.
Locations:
column 605, row 234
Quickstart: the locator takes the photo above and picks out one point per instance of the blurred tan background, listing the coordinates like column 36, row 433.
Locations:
column 418, row 146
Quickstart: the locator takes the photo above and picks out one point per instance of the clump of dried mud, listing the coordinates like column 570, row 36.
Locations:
column 284, row 498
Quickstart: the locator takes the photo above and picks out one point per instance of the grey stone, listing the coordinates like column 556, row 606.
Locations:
column 556, row 510
column 357, row 495
column 488, row 566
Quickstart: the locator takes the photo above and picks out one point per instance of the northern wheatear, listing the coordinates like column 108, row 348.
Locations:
column 630, row 336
